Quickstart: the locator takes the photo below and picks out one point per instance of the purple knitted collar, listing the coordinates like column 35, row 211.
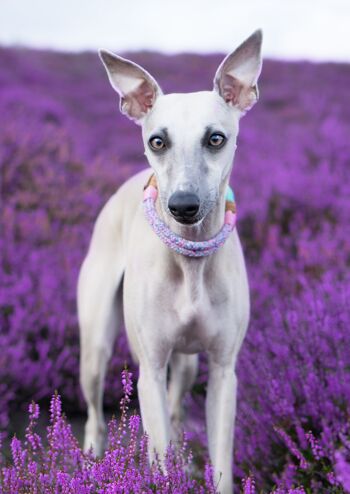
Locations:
column 176, row 242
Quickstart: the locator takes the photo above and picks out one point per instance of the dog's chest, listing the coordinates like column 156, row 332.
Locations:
column 192, row 330
column 195, row 317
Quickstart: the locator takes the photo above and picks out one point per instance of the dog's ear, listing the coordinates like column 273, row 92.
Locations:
column 237, row 76
column 136, row 87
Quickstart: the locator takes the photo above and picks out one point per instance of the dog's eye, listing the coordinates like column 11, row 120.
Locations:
column 216, row 140
column 156, row 143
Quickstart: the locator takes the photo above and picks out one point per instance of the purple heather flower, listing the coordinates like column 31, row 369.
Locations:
column 249, row 486
column 342, row 470
column 292, row 447
column 315, row 446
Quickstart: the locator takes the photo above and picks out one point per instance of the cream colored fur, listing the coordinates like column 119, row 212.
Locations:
column 173, row 306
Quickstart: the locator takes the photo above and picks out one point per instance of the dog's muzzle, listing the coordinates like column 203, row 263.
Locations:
column 180, row 244
column 184, row 206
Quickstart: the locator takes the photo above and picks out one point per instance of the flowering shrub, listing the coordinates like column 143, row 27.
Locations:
column 63, row 467
column 64, row 149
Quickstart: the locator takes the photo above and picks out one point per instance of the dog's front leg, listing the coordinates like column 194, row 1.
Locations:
column 220, row 416
column 154, row 411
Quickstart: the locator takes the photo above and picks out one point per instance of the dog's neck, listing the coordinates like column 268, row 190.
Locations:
column 190, row 272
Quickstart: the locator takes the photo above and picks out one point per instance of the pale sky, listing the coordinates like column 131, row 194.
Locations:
column 293, row 29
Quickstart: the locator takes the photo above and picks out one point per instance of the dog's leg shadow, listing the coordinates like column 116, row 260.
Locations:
column 183, row 373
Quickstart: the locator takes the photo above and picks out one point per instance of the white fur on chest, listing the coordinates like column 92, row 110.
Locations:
column 183, row 304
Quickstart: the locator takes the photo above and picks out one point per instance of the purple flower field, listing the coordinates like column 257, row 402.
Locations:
column 65, row 148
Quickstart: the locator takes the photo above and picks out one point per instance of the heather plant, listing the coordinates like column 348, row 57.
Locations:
column 64, row 149
column 63, row 467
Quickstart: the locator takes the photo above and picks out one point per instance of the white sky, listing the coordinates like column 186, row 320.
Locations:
column 293, row 29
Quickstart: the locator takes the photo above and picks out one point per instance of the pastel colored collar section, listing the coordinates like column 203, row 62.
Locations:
column 176, row 242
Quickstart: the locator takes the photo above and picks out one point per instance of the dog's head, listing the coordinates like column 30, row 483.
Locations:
column 190, row 139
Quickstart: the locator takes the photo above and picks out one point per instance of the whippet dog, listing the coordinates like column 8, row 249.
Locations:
column 174, row 306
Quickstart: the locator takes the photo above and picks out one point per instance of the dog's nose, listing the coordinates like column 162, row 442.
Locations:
column 184, row 205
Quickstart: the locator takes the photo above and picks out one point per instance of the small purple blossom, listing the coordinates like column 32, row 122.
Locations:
column 315, row 446
column 127, row 383
column 249, row 486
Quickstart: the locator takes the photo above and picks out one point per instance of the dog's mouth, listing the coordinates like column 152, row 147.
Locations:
column 187, row 222
column 188, row 219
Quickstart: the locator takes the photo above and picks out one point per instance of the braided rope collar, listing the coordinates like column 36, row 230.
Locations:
column 176, row 242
